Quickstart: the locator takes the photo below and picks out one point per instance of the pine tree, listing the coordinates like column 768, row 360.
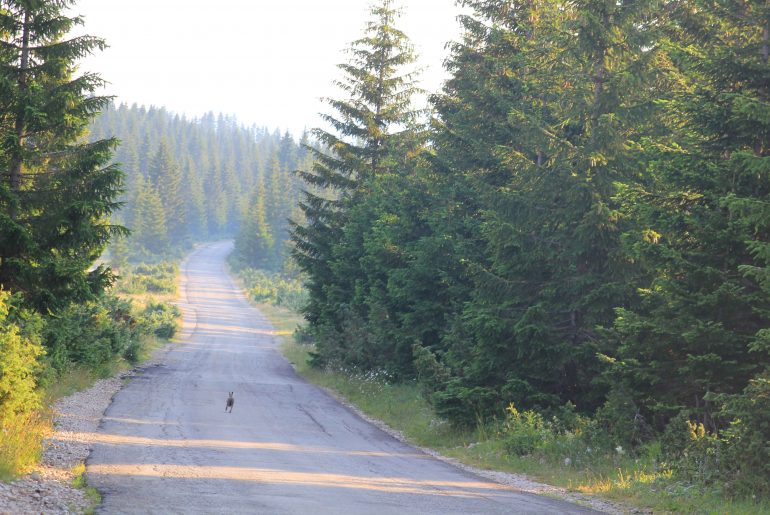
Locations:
column 166, row 175
column 534, row 147
column 255, row 242
column 57, row 192
column 195, row 207
column 366, row 126
column 701, row 328
column 149, row 223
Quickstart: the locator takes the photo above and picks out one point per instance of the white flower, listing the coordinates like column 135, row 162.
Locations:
column 620, row 450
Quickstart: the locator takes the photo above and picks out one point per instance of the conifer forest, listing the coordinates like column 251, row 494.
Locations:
column 570, row 244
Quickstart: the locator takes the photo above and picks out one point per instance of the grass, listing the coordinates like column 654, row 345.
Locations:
column 21, row 436
column 633, row 481
column 21, row 440
column 284, row 320
column 78, row 379
column 80, row 481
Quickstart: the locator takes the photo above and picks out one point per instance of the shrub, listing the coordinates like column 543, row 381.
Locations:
column 91, row 334
column 431, row 373
column 274, row 288
column 738, row 458
column 621, row 421
column 524, row 432
column 21, row 429
column 160, row 318
column 19, row 366
column 692, row 453
column 745, row 460
column 149, row 278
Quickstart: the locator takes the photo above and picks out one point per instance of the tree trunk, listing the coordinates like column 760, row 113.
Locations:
column 760, row 146
column 598, row 88
column 20, row 124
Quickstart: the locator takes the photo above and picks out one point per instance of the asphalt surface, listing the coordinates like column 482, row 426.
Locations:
column 166, row 445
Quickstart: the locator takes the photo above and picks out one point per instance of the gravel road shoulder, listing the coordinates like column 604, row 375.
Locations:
column 48, row 488
column 518, row 481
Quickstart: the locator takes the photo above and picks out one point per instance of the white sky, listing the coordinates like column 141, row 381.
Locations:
column 266, row 61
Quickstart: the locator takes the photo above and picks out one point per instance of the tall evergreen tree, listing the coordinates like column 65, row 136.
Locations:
column 57, row 192
column 534, row 146
column 366, row 125
column 166, row 175
column 149, row 221
column 701, row 328
column 255, row 242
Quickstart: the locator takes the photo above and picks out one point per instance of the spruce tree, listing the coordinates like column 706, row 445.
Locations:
column 534, row 146
column 57, row 191
column 148, row 225
column 366, row 124
column 166, row 176
column 255, row 242
column 701, row 327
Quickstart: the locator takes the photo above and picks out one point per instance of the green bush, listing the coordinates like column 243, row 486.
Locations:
column 692, row 454
column 737, row 459
column 620, row 419
column 160, row 278
column 19, row 365
column 91, row 334
column 432, row 375
column 524, row 432
column 274, row 288
column 745, row 444
column 160, row 319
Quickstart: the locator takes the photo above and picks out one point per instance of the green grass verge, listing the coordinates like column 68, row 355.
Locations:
column 92, row 494
column 21, row 435
column 21, row 438
column 634, row 481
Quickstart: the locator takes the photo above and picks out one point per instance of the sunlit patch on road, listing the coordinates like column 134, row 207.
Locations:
column 399, row 485
column 110, row 439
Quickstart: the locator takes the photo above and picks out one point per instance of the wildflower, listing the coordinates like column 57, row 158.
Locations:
column 619, row 449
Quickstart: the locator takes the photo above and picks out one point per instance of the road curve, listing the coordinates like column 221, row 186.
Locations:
column 166, row 445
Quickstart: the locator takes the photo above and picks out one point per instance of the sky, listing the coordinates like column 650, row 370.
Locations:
column 266, row 61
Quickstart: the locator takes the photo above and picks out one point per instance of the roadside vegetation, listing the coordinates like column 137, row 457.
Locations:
column 268, row 287
column 43, row 358
column 97, row 203
column 569, row 265
column 564, row 449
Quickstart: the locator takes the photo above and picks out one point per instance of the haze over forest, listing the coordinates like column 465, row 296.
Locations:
column 565, row 256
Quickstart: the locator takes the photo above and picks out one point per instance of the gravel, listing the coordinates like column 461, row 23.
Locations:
column 48, row 488
column 518, row 481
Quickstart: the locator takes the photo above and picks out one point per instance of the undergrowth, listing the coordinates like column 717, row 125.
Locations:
column 44, row 358
column 267, row 287
column 21, row 439
column 567, row 451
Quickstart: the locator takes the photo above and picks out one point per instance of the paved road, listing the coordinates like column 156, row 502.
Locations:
column 166, row 445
